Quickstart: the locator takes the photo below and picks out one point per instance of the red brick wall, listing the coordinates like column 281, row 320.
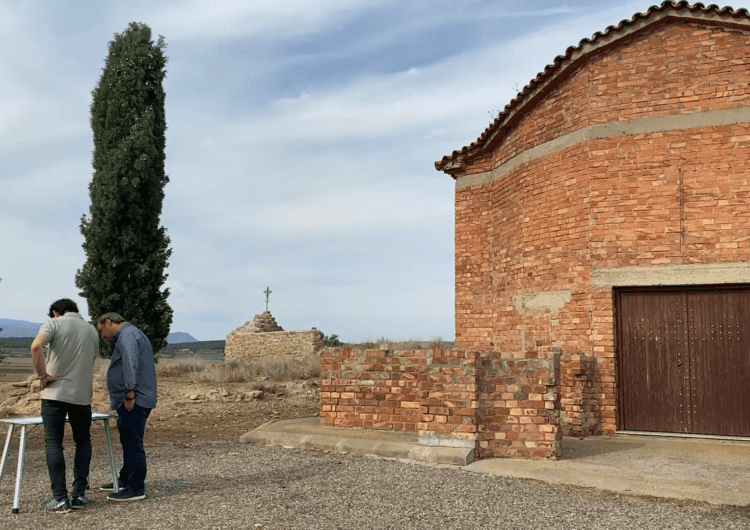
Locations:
column 519, row 407
column 372, row 388
column 506, row 407
column 635, row 196
column 449, row 394
column 428, row 391
column 474, row 322
column 579, row 394
column 664, row 198
column 540, row 243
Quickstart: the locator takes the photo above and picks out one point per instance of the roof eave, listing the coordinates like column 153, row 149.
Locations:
column 564, row 66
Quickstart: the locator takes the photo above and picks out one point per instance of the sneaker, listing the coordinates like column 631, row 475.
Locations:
column 126, row 494
column 79, row 500
column 51, row 505
column 109, row 486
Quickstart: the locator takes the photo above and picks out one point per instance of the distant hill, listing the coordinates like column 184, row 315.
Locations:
column 25, row 329
column 179, row 337
column 21, row 346
column 18, row 328
column 196, row 346
column 15, row 343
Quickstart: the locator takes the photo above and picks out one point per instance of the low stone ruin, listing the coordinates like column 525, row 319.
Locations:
column 263, row 336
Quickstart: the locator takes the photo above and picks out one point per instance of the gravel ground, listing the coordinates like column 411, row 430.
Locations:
column 201, row 485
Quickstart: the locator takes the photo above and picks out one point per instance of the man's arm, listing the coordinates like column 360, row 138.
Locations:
column 37, row 358
column 131, row 356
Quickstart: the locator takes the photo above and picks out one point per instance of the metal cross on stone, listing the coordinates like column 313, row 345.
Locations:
column 267, row 291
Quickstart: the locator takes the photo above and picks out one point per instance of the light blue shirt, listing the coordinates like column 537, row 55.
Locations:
column 132, row 368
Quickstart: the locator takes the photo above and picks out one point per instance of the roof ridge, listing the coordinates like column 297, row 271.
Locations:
column 456, row 160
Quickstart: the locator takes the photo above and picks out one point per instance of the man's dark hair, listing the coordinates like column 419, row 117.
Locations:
column 62, row 306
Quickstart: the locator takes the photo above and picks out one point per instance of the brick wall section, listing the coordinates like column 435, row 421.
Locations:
column 373, row 388
column 500, row 405
column 448, row 395
column 579, row 393
column 603, row 340
column 540, row 242
column 518, row 406
column 636, row 217
column 242, row 346
column 474, row 323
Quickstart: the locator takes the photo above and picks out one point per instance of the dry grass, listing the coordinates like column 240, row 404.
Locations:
column 185, row 365
column 230, row 372
column 412, row 343
column 286, row 368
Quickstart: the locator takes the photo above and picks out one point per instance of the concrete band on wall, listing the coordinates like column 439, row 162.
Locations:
column 653, row 275
column 552, row 300
column 690, row 274
column 693, row 274
column 608, row 130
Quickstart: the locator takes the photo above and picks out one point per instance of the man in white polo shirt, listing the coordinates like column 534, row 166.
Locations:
column 66, row 377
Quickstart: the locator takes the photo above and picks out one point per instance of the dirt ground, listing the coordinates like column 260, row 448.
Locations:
column 214, row 416
column 186, row 409
column 200, row 476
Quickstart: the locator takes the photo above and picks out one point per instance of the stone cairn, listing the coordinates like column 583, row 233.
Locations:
column 261, row 323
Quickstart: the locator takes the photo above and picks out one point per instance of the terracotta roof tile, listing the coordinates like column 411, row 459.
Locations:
column 527, row 98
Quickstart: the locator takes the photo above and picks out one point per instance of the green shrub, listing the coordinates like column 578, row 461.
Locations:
column 332, row 340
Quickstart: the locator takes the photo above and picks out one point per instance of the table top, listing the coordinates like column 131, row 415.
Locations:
column 37, row 420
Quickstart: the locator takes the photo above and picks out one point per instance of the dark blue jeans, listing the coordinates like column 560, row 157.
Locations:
column 53, row 418
column 132, row 426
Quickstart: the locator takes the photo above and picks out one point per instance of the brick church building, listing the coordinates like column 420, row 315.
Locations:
column 602, row 222
column 606, row 211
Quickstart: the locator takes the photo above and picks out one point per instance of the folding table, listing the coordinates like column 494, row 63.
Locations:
column 22, row 423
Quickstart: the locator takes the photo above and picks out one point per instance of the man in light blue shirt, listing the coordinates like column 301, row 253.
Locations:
column 131, row 381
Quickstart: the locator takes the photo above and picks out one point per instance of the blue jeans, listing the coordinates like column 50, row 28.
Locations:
column 53, row 418
column 132, row 426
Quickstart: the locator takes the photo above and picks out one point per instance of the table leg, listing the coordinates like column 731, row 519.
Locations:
column 5, row 451
column 19, row 473
column 110, row 456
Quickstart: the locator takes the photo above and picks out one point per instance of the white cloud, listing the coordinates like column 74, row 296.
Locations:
column 53, row 188
column 211, row 317
column 8, row 19
column 354, row 212
column 40, row 98
column 36, row 118
column 200, row 19
column 457, row 92
column 382, row 105
column 38, row 267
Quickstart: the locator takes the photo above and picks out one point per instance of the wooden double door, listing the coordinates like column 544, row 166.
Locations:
column 683, row 358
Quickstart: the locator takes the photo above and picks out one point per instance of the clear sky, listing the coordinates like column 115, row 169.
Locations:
column 301, row 142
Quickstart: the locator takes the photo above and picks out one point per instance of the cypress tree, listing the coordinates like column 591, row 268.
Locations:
column 127, row 251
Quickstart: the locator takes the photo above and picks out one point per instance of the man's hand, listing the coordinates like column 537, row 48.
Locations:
column 129, row 401
column 37, row 359
column 47, row 379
